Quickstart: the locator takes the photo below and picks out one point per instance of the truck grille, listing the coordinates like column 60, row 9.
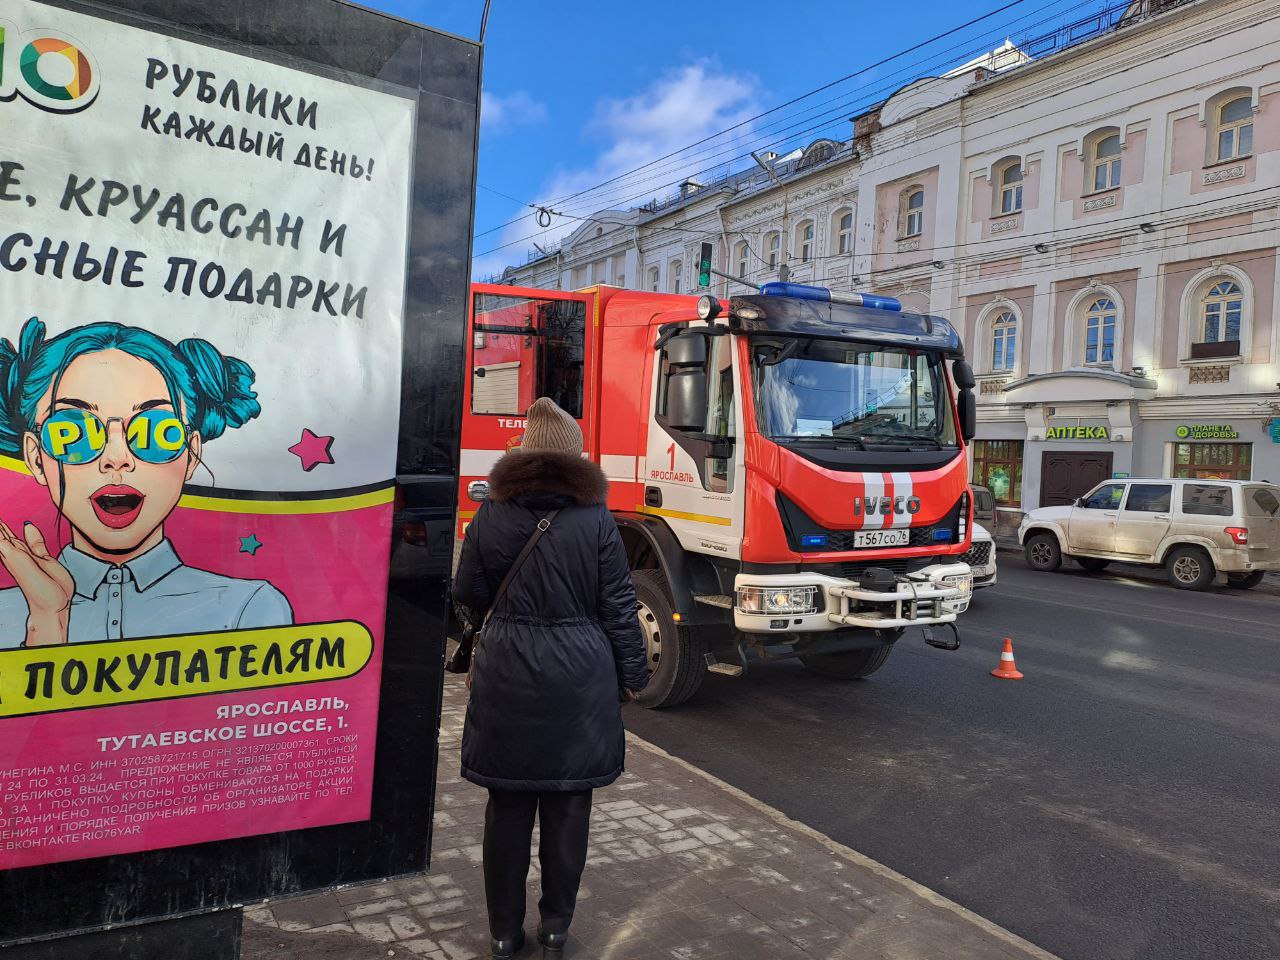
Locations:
column 979, row 555
column 919, row 537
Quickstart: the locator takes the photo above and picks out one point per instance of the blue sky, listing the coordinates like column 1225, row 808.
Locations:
column 577, row 93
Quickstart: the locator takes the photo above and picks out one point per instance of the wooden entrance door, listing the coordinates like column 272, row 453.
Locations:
column 1066, row 476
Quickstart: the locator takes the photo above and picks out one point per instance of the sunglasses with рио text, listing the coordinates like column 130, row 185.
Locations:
column 79, row 436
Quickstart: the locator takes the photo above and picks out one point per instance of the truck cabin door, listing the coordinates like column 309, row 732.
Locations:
column 523, row 344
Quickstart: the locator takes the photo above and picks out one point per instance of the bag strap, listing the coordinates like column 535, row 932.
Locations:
column 543, row 526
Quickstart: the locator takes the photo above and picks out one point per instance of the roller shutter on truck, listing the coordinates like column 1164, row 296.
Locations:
column 497, row 390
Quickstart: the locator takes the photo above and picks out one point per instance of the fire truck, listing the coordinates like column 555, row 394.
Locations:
column 787, row 469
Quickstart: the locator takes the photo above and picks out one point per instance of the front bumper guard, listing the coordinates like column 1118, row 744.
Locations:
column 910, row 605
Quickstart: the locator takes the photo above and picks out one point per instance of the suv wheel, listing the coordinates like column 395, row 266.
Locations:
column 1245, row 581
column 1189, row 568
column 1043, row 553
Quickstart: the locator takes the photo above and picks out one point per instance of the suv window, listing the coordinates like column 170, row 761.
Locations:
column 1149, row 497
column 1261, row 502
column 1106, row 497
column 1206, row 500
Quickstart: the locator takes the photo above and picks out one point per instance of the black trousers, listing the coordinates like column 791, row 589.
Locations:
column 564, row 819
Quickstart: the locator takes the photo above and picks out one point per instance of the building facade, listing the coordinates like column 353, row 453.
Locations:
column 1101, row 223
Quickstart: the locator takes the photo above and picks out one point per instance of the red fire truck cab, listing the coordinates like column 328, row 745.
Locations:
column 787, row 469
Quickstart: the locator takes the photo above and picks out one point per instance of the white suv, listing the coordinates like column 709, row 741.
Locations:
column 1193, row 528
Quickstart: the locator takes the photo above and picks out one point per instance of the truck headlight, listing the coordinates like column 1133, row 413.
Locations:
column 964, row 581
column 778, row 600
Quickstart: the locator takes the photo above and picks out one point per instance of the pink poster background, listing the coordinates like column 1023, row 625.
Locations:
column 330, row 567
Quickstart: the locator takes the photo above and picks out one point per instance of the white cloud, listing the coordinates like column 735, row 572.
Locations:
column 678, row 108
column 499, row 113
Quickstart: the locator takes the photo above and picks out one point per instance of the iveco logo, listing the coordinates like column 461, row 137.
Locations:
column 885, row 506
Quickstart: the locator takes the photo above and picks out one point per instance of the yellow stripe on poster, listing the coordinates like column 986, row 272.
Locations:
column 79, row 675
column 679, row 515
column 17, row 466
column 288, row 507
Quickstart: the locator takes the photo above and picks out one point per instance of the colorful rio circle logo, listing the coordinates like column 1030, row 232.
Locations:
column 48, row 70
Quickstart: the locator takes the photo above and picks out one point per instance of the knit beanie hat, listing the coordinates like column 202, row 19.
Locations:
column 551, row 430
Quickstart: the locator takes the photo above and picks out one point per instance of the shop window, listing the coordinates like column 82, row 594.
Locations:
column 911, row 213
column 1100, row 332
column 1011, row 187
column 1213, row 461
column 1217, row 331
column 843, row 223
column 1004, row 342
column 1149, row 498
column 1104, row 161
column 523, row 349
column 997, row 465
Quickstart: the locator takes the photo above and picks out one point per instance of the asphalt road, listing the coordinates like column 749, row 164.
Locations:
column 1122, row 801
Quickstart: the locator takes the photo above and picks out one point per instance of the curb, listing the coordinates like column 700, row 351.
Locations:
column 853, row 856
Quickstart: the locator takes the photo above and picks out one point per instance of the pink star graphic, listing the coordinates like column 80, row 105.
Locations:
column 312, row 450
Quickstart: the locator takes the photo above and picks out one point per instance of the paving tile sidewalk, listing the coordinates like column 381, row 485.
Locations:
column 681, row 867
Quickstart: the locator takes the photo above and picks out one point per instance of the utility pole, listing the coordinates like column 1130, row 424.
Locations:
column 784, row 271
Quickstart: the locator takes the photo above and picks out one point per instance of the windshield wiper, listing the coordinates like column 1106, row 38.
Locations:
column 808, row 438
column 892, row 438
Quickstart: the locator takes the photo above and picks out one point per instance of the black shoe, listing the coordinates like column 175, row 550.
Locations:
column 506, row 949
column 552, row 944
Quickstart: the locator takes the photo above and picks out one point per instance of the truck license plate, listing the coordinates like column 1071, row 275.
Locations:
column 881, row 538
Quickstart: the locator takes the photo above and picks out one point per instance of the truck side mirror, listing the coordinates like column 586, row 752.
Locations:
column 687, row 350
column 968, row 414
column 687, row 400
column 963, row 374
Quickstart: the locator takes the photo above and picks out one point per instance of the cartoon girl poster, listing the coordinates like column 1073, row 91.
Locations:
column 113, row 421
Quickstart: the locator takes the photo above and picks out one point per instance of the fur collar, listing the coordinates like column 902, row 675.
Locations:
column 521, row 473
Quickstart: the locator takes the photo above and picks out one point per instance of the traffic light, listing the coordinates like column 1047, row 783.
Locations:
column 704, row 266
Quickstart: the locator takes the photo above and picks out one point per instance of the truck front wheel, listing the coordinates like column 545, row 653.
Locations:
column 676, row 653
column 849, row 665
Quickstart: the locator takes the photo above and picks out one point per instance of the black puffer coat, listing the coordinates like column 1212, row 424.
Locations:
column 544, row 712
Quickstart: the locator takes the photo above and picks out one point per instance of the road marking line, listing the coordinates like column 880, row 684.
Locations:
column 853, row 856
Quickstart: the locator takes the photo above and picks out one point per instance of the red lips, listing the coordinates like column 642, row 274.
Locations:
column 117, row 506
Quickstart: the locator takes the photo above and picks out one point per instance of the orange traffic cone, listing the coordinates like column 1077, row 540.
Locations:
column 1008, row 670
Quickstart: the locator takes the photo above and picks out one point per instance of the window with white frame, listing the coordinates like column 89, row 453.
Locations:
column 1233, row 126
column 1100, row 332
column 1011, row 187
column 741, row 257
column 773, row 244
column 655, row 279
column 844, row 231
column 1217, row 332
column 804, row 241
column 1105, row 162
column 1004, row 342
column 674, row 275
column 911, row 215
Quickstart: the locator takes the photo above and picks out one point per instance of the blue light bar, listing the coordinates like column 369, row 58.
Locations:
column 802, row 291
column 942, row 534
column 814, row 540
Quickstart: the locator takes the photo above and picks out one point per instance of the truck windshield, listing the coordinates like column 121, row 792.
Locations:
column 870, row 395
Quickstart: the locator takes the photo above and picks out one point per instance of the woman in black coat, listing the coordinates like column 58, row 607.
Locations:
column 561, row 650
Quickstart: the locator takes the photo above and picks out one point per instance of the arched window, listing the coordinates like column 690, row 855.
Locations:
column 773, row 244
column 804, row 241
column 674, row 275
column 1100, row 332
column 740, row 256
column 1004, row 342
column 655, row 279
column 911, row 215
column 1233, row 125
column 1105, row 161
column 1221, row 310
column 842, row 223
column 1011, row 188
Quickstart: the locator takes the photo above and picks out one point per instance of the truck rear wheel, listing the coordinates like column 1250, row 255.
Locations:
column 676, row 653
column 849, row 665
